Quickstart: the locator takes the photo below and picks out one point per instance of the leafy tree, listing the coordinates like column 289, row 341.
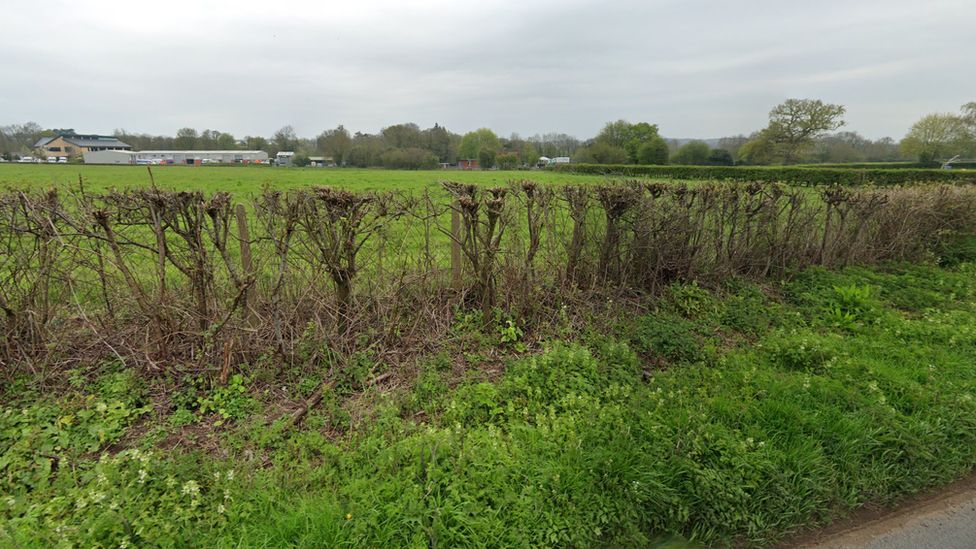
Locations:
column 758, row 150
column 402, row 136
column 602, row 153
column 937, row 137
column 627, row 136
column 732, row 144
column 335, row 143
column 654, row 151
column 300, row 160
column 486, row 158
column 615, row 134
column 474, row 142
column 255, row 143
column 529, row 154
column 969, row 119
column 692, row 153
column 411, row 158
column 365, row 151
column 719, row 157
column 186, row 139
column 284, row 139
column 226, row 142
column 440, row 142
column 507, row 161
column 794, row 123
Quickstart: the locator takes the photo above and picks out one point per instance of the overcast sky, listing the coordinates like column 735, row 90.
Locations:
column 696, row 68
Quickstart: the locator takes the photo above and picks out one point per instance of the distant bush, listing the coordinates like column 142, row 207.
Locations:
column 780, row 174
column 507, row 161
column 408, row 159
column 654, row 151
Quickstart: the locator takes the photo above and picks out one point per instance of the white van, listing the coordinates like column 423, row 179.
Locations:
column 62, row 160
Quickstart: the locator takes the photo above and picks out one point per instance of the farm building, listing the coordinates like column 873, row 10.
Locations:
column 284, row 158
column 467, row 164
column 176, row 157
column 67, row 143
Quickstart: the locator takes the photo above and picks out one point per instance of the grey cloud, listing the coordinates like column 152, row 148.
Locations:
column 697, row 68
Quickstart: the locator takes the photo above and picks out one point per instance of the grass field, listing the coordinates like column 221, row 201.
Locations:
column 247, row 180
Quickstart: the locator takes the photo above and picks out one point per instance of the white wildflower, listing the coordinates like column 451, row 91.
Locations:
column 221, row 509
column 191, row 488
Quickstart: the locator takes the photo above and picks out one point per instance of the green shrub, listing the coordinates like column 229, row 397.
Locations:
column 230, row 402
column 666, row 336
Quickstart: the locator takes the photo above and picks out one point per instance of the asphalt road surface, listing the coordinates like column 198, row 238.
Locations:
column 943, row 521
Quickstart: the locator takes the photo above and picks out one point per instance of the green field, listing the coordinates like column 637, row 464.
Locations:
column 247, row 180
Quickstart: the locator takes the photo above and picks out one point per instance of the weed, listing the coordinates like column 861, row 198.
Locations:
column 230, row 402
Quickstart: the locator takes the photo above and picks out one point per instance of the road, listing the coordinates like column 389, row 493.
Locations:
column 945, row 520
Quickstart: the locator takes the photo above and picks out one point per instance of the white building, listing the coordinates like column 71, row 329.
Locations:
column 191, row 158
column 284, row 158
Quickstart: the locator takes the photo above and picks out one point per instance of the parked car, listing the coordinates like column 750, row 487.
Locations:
column 62, row 160
column 26, row 159
column 52, row 159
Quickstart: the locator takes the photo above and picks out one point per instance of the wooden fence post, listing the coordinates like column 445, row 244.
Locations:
column 247, row 265
column 456, row 248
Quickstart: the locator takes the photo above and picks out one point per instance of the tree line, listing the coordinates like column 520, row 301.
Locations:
column 798, row 131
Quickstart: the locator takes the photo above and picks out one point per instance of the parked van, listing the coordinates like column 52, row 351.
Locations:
column 62, row 160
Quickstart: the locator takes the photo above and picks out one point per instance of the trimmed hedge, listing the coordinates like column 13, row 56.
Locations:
column 963, row 165
column 781, row 174
column 873, row 165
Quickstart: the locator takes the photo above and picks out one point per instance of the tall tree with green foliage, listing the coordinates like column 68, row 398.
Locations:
column 186, row 139
column 937, row 137
column 795, row 123
column 335, row 143
column 602, row 153
column 482, row 139
column 403, row 136
column 654, row 151
column 627, row 136
column 284, row 139
column 693, row 153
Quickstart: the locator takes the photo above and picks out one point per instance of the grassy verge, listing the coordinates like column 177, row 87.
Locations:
column 733, row 416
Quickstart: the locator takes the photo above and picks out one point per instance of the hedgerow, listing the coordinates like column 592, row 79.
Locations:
column 581, row 445
column 812, row 176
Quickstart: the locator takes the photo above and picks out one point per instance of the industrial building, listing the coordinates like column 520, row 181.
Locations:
column 67, row 143
column 191, row 158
